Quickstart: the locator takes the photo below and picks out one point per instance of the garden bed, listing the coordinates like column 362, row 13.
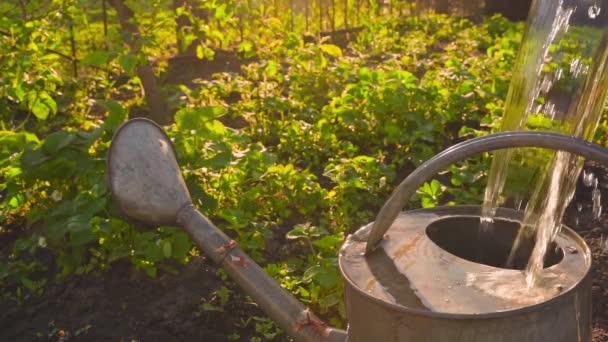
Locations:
column 124, row 304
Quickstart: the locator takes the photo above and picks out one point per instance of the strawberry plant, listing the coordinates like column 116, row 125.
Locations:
column 289, row 154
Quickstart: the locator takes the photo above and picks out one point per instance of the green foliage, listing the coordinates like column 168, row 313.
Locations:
column 289, row 156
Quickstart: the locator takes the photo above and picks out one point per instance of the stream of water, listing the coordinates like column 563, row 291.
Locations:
column 559, row 84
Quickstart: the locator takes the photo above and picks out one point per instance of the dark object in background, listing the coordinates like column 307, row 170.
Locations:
column 516, row 10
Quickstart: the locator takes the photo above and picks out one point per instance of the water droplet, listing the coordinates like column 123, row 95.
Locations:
column 559, row 73
column 588, row 178
column 573, row 66
column 546, row 84
column 579, row 207
column 550, row 110
column 597, row 203
column 594, row 11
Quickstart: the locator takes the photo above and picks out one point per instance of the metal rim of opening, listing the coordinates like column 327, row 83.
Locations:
column 498, row 314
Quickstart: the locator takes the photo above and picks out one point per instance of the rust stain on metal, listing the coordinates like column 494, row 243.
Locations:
column 228, row 246
column 239, row 260
column 406, row 248
column 310, row 320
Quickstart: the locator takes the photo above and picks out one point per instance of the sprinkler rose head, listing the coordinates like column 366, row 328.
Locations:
column 143, row 174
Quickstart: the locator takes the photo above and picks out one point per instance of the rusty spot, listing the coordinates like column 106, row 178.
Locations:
column 407, row 247
column 308, row 319
column 239, row 260
column 572, row 250
column 226, row 247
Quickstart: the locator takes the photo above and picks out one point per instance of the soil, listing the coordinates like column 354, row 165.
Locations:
column 124, row 304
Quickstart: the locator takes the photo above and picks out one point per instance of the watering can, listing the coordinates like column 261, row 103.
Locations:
column 409, row 276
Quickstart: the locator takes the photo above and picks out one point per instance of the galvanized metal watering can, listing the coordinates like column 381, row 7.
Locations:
column 409, row 276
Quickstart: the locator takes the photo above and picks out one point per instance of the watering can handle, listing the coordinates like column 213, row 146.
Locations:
column 463, row 150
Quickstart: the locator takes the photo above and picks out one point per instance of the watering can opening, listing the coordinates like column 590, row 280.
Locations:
column 460, row 236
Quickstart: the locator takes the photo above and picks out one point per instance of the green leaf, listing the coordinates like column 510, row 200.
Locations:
column 297, row 233
column 200, row 53
column 331, row 50
column 328, row 242
column 329, row 300
column 116, row 114
column 81, row 238
column 310, row 273
column 97, row 58
column 78, row 223
column 221, row 12
column 271, row 69
column 181, row 245
column 427, row 202
column 128, row 63
column 41, row 104
column 167, row 250
column 32, row 158
column 196, row 118
column 435, row 187
column 152, row 252
column 58, row 141
column 204, row 52
column 28, row 283
column 219, row 161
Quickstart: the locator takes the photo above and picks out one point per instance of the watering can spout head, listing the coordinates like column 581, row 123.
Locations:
column 143, row 174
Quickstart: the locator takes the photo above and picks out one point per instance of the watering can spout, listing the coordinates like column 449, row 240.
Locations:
column 146, row 184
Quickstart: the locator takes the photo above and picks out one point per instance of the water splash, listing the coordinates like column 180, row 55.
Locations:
column 553, row 88
column 594, row 11
column 561, row 186
column 597, row 203
column 588, row 178
column 522, row 97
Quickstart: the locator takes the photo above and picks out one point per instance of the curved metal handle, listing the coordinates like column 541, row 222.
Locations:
column 463, row 150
